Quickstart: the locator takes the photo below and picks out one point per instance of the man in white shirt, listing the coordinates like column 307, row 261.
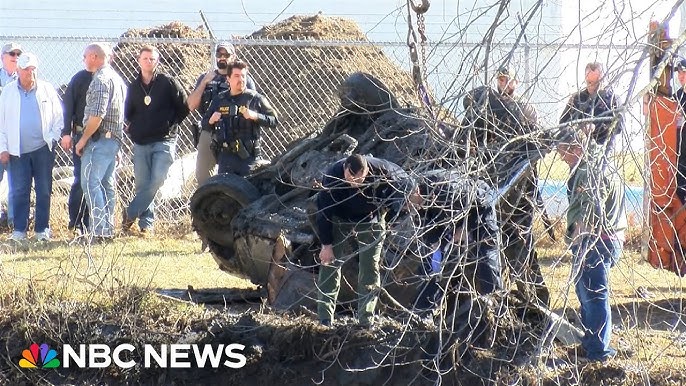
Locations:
column 30, row 126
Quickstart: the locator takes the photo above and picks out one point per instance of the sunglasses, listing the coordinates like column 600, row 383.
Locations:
column 13, row 53
column 222, row 55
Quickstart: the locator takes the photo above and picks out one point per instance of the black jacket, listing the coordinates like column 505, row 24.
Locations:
column 216, row 86
column 158, row 120
column 498, row 118
column 74, row 100
column 233, row 126
column 386, row 186
column 452, row 200
column 601, row 105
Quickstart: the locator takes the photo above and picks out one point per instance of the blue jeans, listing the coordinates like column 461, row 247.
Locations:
column 10, row 194
column 97, row 182
column 592, row 288
column 78, row 211
column 35, row 167
column 151, row 163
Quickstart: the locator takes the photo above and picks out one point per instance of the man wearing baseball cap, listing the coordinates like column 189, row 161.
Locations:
column 208, row 86
column 508, row 119
column 8, row 73
column 10, row 55
column 30, row 126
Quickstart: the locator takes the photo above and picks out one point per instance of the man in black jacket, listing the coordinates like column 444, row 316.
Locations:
column 597, row 104
column 235, row 119
column 505, row 127
column 155, row 106
column 74, row 101
column 357, row 192
column 207, row 89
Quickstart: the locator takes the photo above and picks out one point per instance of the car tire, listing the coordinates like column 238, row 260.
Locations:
column 215, row 204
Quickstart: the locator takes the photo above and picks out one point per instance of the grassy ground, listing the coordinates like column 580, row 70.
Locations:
column 67, row 293
column 630, row 166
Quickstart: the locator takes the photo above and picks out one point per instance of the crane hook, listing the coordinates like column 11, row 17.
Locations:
column 421, row 8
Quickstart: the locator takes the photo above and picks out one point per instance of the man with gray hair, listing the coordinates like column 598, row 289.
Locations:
column 10, row 55
column 30, row 125
column 101, row 139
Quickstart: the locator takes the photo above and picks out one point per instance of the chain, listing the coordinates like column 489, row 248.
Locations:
column 418, row 69
column 421, row 28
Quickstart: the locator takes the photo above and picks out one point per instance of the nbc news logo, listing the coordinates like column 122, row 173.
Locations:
column 164, row 356
column 39, row 357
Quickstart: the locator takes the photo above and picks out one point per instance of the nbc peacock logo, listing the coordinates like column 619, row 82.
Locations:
column 39, row 357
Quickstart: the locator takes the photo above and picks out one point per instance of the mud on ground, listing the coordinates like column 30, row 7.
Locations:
column 293, row 349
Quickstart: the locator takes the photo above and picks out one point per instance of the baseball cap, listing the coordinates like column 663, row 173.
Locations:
column 11, row 46
column 506, row 71
column 27, row 60
column 680, row 65
column 227, row 46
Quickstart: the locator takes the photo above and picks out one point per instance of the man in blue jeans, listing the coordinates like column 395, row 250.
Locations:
column 101, row 139
column 8, row 73
column 74, row 101
column 155, row 106
column 596, row 220
column 31, row 115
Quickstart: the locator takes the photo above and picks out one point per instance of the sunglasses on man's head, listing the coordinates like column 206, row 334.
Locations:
column 13, row 53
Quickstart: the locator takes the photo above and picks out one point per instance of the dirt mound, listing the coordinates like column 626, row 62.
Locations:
column 182, row 61
column 312, row 27
column 302, row 79
column 293, row 67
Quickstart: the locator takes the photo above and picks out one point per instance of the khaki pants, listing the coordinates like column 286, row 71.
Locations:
column 206, row 161
column 369, row 239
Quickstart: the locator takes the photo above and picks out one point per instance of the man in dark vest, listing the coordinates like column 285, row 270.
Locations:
column 235, row 120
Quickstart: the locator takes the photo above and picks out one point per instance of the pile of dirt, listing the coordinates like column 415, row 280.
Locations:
column 293, row 62
column 302, row 79
column 185, row 62
column 316, row 27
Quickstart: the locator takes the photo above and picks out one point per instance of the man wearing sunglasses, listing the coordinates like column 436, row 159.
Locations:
column 208, row 86
column 10, row 54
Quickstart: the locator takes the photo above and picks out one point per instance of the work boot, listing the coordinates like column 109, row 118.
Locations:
column 126, row 222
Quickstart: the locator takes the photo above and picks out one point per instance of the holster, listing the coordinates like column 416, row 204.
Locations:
column 195, row 131
column 236, row 146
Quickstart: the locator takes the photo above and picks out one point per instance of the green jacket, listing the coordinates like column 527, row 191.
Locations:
column 596, row 199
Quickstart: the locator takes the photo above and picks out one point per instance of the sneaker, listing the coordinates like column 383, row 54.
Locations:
column 18, row 236
column 43, row 236
column 147, row 231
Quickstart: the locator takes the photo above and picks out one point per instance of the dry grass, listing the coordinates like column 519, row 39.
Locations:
column 67, row 293
column 630, row 165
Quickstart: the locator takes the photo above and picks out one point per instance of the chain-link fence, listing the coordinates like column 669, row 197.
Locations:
column 301, row 78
